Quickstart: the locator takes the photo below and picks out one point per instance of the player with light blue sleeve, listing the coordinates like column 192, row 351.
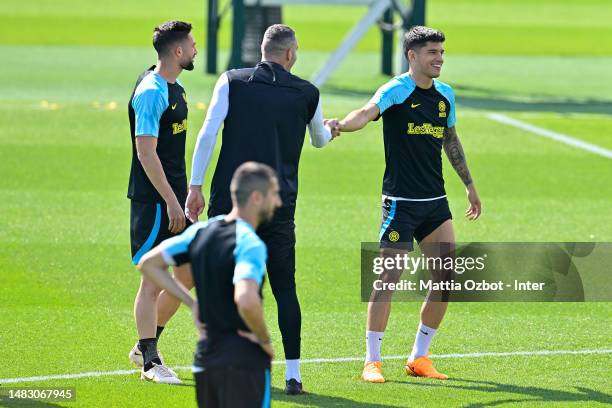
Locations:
column 419, row 117
column 227, row 261
column 158, row 183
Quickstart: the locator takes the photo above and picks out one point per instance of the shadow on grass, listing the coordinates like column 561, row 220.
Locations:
column 492, row 100
column 524, row 393
column 185, row 384
column 318, row 400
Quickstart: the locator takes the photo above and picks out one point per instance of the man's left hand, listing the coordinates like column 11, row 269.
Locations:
column 473, row 212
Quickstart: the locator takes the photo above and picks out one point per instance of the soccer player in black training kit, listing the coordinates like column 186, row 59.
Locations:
column 233, row 355
column 158, row 183
column 265, row 111
column 419, row 117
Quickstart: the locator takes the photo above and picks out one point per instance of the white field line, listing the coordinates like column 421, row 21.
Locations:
column 559, row 137
column 312, row 361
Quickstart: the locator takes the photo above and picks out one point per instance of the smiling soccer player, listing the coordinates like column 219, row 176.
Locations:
column 418, row 114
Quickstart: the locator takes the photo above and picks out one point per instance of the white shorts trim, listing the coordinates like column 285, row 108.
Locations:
column 384, row 197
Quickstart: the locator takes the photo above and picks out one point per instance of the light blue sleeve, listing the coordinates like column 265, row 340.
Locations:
column 149, row 105
column 452, row 117
column 448, row 93
column 250, row 257
column 392, row 93
column 175, row 250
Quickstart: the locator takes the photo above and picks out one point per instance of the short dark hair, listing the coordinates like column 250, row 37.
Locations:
column 249, row 177
column 418, row 36
column 277, row 39
column 168, row 34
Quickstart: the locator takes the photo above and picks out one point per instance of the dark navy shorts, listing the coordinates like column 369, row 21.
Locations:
column 403, row 221
column 148, row 227
column 229, row 387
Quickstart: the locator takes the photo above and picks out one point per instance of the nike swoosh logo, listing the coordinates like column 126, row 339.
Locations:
column 425, row 333
column 174, row 106
column 414, row 105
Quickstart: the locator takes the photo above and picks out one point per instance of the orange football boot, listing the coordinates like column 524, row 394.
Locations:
column 372, row 372
column 423, row 367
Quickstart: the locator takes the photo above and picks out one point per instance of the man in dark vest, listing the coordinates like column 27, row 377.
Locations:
column 265, row 111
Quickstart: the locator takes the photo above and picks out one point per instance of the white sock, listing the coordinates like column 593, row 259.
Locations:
column 292, row 370
column 421, row 342
column 373, row 343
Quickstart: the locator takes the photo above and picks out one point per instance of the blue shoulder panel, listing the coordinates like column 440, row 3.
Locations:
column 149, row 102
column 394, row 92
column 179, row 245
column 448, row 93
column 250, row 254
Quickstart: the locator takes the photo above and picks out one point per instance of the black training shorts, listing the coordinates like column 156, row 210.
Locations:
column 403, row 221
column 148, row 227
column 227, row 387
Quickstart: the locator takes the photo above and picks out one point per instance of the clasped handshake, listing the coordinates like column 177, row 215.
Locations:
column 334, row 126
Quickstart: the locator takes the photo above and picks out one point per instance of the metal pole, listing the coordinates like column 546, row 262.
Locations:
column 237, row 35
column 211, row 38
column 387, row 44
column 417, row 17
column 376, row 11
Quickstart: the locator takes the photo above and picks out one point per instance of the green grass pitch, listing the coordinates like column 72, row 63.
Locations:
column 66, row 283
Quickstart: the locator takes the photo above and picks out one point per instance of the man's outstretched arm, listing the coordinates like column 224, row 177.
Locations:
column 456, row 156
column 357, row 119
